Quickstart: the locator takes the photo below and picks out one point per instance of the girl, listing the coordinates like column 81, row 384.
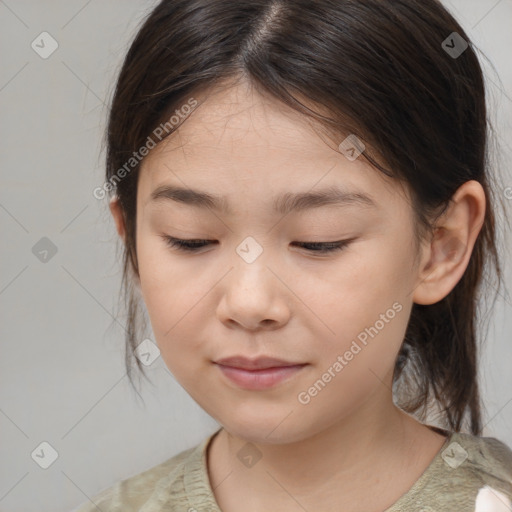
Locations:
column 303, row 193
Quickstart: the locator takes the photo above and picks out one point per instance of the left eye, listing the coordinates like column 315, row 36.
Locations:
column 316, row 247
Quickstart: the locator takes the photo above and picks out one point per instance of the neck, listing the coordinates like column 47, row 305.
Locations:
column 368, row 447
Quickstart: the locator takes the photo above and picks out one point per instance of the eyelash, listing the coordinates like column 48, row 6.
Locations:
column 192, row 245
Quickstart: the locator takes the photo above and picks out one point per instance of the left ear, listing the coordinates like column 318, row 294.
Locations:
column 446, row 258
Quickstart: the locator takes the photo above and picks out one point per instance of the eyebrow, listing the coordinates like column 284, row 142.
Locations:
column 284, row 204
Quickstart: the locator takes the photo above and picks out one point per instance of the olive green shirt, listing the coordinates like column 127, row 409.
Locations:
column 468, row 474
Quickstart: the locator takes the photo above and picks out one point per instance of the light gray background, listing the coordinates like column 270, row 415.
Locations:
column 62, row 371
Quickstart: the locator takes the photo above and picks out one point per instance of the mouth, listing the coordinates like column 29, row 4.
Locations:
column 259, row 363
column 259, row 378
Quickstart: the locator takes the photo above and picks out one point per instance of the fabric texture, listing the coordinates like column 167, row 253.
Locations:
column 468, row 474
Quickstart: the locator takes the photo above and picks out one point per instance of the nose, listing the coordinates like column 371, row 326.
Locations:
column 254, row 297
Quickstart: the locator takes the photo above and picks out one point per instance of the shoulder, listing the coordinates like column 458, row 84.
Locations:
column 475, row 472
column 468, row 474
column 153, row 484
column 486, row 457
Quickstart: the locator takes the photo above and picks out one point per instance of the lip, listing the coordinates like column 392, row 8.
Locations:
column 265, row 373
column 259, row 363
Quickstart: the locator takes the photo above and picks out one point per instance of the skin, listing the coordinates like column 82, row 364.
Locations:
column 291, row 304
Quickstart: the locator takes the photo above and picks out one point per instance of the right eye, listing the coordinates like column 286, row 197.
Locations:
column 185, row 245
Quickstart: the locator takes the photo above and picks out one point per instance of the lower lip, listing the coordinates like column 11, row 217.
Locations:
column 259, row 379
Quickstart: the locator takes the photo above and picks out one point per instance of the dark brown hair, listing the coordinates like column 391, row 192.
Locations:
column 380, row 70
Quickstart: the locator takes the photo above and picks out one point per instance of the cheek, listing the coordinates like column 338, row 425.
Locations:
column 364, row 307
column 167, row 292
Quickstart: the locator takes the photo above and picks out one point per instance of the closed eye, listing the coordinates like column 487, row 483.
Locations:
column 194, row 245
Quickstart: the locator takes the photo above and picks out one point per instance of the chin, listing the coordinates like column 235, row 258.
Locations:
column 270, row 430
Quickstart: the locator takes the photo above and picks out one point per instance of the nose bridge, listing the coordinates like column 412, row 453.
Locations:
column 250, row 249
column 252, row 264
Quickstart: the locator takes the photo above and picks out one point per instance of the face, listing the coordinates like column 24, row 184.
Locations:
column 256, row 289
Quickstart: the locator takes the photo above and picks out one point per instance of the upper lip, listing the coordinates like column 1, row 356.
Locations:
column 255, row 364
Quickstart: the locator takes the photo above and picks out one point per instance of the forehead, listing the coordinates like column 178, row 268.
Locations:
column 239, row 118
column 238, row 143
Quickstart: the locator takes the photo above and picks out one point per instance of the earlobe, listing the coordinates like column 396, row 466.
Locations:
column 450, row 249
column 117, row 213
